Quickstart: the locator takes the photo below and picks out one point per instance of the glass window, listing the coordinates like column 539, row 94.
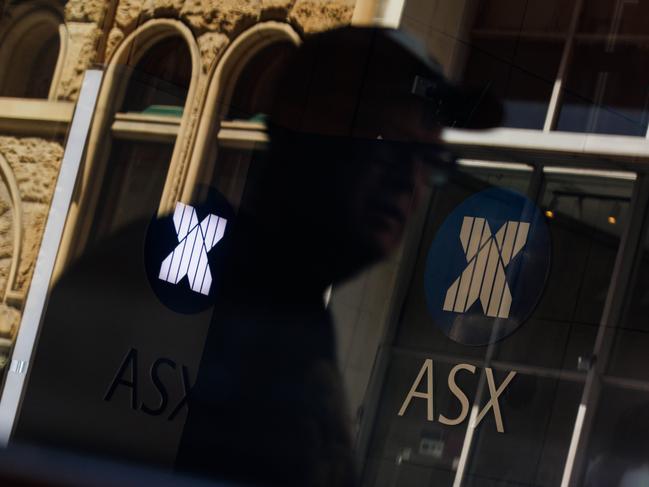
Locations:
column 539, row 413
column 136, row 166
column 416, row 330
column 237, row 162
column 521, row 72
column 619, row 441
column 614, row 17
column 409, row 450
column 160, row 80
column 515, row 49
column 529, row 16
column 586, row 214
column 132, row 186
column 606, row 88
column 31, row 49
column 255, row 85
column 631, row 337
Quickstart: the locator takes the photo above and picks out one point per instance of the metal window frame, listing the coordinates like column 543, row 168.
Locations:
column 614, row 309
column 16, row 378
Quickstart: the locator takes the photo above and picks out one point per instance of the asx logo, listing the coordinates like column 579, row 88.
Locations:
column 186, row 251
column 195, row 240
column 482, row 285
column 485, row 275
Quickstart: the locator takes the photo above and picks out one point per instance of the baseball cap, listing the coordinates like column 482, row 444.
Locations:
column 371, row 82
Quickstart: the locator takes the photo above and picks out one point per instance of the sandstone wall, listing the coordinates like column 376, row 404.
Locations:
column 34, row 164
column 214, row 23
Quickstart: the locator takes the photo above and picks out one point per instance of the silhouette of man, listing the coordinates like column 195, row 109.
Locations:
column 354, row 137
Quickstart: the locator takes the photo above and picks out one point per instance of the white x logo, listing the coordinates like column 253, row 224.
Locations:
column 195, row 240
column 487, row 257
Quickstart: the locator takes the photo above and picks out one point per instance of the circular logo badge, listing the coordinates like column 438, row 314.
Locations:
column 487, row 267
column 185, row 252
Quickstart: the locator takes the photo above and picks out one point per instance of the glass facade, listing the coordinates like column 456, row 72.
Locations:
column 383, row 303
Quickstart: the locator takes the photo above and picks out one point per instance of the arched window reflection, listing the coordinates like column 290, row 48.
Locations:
column 237, row 162
column 29, row 53
column 160, row 79
column 138, row 163
column 253, row 91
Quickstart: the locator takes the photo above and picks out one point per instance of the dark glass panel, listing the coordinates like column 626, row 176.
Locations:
column 607, row 89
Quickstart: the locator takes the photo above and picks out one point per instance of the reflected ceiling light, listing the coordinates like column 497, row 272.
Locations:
column 549, row 212
column 614, row 215
column 506, row 166
column 597, row 173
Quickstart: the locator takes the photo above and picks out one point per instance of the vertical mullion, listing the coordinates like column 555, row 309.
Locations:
column 535, row 188
column 611, row 316
column 555, row 98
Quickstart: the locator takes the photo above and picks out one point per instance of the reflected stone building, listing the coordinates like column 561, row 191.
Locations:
column 185, row 86
column 198, row 50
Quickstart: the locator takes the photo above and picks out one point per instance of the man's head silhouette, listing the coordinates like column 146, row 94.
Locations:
column 355, row 136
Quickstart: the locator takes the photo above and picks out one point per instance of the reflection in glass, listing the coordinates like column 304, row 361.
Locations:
column 160, row 80
column 618, row 449
column 408, row 450
column 631, row 338
column 612, row 16
column 586, row 215
column 253, row 94
column 132, row 185
column 547, row 16
column 30, row 49
column 520, row 71
column 137, row 166
column 417, row 331
column 606, row 89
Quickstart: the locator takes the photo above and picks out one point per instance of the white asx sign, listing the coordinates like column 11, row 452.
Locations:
column 195, row 240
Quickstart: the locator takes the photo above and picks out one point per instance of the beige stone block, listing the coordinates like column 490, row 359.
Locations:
column 35, row 216
column 86, row 10
column 35, row 164
column 6, row 236
column 310, row 16
column 275, row 9
column 6, row 232
column 5, row 263
column 115, row 38
column 128, row 13
column 9, row 321
column 228, row 16
column 162, row 8
column 211, row 45
column 81, row 53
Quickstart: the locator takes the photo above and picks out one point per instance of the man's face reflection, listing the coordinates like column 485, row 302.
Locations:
column 361, row 194
column 348, row 199
column 388, row 187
